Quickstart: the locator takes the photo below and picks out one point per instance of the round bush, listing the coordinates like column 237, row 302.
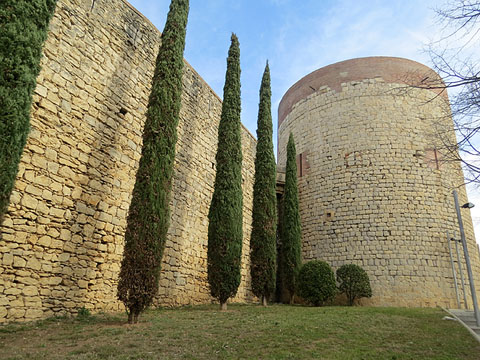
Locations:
column 316, row 282
column 353, row 282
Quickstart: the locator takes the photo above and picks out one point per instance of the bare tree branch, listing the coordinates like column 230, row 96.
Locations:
column 454, row 56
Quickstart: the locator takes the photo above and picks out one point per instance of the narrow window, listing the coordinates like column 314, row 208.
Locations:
column 302, row 164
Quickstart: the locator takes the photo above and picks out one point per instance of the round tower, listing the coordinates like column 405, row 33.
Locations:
column 375, row 185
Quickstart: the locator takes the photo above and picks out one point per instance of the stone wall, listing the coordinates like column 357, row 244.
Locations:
column 374, row 188
column 62, row 241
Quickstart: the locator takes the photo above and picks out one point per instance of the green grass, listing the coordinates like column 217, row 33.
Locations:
column 246, row 332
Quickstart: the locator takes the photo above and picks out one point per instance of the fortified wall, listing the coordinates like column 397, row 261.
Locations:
column 62, row 240
column 374, row 185
column 375, row 188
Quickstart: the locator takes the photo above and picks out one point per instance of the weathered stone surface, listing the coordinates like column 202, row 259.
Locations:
column 30, row 291
column 71, row 200
column 19, row 262
column 33, row 264
column 7, row 259
column 29, row 202
column 16, row 313
column 32, row 314
column 3, row 312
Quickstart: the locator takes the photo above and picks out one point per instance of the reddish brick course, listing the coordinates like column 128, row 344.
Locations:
column 390, row 69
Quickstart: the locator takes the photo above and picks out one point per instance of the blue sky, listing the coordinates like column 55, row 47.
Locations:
column 298, row 37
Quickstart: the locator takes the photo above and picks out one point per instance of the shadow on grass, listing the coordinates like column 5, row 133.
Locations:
column 74, row 321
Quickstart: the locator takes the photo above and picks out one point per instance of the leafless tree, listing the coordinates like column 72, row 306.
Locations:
column 455, row 56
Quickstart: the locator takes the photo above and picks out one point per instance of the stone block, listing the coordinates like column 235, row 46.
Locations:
column 54, row 280
column 32, row 314
column 63, row 257
column 33, row 263
column 19, row 262
column 45, row 241
column 65, row 234
column 51, row 154
column 7, row 259
column 53, row 233
column 53, row 167
column 16, row 313
column 29, row 202
column 57, row 213
column 30, row 291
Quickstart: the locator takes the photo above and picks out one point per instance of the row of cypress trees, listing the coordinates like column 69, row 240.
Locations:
column 225, row 213
column 23, row 30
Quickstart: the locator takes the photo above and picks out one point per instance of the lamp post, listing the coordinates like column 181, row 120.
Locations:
column 459, row 263
column 467, row 258
column 453, row 269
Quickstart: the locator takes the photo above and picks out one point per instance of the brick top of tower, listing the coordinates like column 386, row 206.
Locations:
column 390, row 69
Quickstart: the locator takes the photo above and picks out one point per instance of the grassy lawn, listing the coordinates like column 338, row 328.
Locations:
column 246, row 332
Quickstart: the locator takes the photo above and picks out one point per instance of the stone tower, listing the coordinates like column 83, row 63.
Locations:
column 374, row 185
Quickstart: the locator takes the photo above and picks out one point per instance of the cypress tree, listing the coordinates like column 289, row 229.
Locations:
column 225, row 213
column 149, row 213
column 279, row 281
column 291, row 237
column 263, row 238
column 23, row 30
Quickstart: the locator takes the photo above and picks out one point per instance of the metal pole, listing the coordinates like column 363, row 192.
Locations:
column 453, row 270
column 460, row 271
column 467, row 259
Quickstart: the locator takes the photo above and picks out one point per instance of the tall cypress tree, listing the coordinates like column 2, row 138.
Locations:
column 264, row 224
column 291, row 237
column 149, row 213
column 23, row 30
column 225, row 213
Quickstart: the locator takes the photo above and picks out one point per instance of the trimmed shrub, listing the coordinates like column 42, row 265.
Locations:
column 225, row 234
column 316, row 282
column 353, row 282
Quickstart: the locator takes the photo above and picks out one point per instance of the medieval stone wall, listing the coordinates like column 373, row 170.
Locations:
column 374, row 187
column 62, row 240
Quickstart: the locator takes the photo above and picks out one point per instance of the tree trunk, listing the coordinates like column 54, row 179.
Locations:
column 292, row 299
column 130, row 317
column 135, row 318
column 264, row 300
column 223, row 306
